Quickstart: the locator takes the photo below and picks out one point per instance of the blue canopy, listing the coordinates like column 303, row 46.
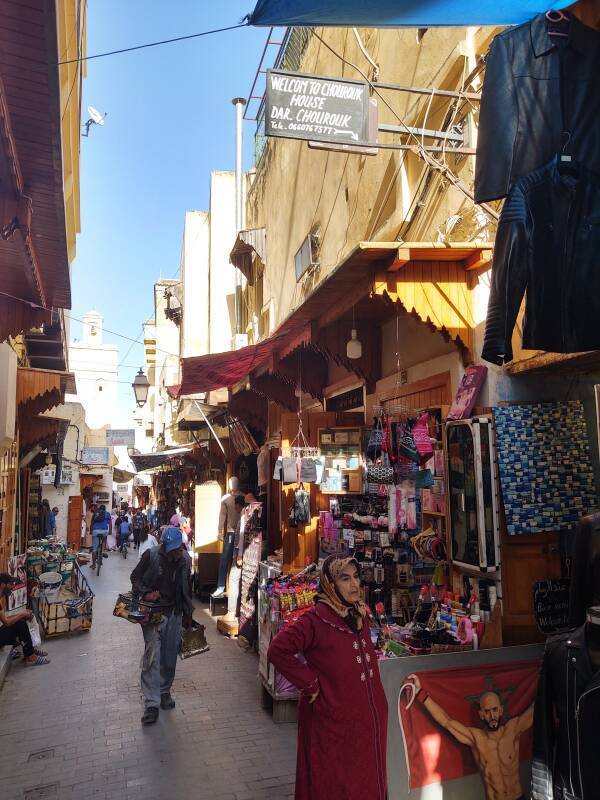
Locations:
column 398, row 13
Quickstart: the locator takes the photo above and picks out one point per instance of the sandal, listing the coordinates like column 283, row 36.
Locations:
column 39, row 661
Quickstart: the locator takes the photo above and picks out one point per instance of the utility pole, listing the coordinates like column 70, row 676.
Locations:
column 239, row 103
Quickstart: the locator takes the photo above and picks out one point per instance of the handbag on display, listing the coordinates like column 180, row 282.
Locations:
column 381, row 471
column 421, row 438
column 374, row 446
column 405, row 443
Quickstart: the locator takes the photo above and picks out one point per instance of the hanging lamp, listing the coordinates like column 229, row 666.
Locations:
column 354, row 346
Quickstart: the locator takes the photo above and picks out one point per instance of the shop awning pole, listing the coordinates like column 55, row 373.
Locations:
column 210, row 427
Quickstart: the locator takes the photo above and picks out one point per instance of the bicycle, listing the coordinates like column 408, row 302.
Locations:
column 100, row 554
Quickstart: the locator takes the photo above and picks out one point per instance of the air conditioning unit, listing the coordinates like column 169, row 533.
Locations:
column 307, row 256
column 8, row 396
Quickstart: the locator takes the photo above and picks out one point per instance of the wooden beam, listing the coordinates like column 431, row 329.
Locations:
column 345, row 303
column 477, row 260
column 403, row 256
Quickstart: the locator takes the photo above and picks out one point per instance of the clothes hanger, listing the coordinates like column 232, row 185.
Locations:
column 557, row 18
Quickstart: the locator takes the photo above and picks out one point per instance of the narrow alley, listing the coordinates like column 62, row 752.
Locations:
column 72, row 729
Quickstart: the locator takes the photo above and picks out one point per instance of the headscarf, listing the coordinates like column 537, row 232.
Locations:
column 332, row 568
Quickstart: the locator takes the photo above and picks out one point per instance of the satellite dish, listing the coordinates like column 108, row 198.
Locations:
column 96, row 118
column 96, row 115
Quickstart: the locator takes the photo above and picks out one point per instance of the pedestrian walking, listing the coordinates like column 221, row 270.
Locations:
column 163, row 575
column 139, row 524
column 14, row 628
column 342, row 711
column 147, row 542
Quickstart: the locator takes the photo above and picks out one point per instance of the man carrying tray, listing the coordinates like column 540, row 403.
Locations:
column 163, row 576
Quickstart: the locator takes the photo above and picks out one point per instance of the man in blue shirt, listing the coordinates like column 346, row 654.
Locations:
column 50, row 531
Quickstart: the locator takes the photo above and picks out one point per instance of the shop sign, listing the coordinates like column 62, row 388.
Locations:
column 120, row 437
column 316, row 108
column 346, row 401
column 66, row 475
column 94, row 455
column 47, row 475
column 122, row 487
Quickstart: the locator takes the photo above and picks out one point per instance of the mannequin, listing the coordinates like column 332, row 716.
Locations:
column 565, row 761
column 228, row 520
column 585, row 579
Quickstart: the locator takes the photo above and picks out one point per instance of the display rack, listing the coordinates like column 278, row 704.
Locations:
column 341, row 450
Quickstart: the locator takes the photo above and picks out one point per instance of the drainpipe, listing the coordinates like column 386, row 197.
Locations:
column 239, row 103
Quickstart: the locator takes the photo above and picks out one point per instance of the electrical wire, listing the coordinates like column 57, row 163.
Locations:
column 133, row 48
column 427, row 157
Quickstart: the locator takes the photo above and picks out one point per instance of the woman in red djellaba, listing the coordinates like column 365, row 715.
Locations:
column 342, row 712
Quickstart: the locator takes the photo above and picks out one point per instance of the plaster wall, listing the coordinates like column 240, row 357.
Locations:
column 74, row 440
column 349, row 198
column 222, row 273
column 194, row 271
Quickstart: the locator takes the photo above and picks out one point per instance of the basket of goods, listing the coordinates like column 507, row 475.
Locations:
column 143, row 612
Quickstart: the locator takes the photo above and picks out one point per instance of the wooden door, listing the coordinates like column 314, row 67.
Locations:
column 74, row 522
column 525, row 560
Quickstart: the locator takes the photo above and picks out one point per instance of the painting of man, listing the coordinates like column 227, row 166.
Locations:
column 477, row 720
column 494, row 745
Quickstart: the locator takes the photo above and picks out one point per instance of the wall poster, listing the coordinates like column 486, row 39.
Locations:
column 460, row 724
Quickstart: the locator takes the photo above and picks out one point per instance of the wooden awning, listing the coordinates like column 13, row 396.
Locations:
column 34, row 262
column 430, row 280
column 38, row 430
column 41, row 389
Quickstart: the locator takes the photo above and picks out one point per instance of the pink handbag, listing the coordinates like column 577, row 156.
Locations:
column 422, row 439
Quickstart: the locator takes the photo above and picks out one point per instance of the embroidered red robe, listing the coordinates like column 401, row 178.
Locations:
column 342, row 735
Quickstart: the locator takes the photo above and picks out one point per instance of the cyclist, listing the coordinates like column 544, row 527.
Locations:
column 124, row 532
column 101, row 527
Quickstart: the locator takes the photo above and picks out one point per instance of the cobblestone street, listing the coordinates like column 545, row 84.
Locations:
column 71, row 730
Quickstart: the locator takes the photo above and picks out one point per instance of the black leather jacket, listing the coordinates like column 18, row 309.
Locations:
column 565, row 763
column 520, row 118
column 548, row 244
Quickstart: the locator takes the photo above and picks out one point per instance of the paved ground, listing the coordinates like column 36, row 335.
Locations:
column 85, row 709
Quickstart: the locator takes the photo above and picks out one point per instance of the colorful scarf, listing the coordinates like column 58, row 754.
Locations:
column 333, row 566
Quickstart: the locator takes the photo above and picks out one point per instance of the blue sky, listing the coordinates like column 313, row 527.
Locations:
column 170, row 122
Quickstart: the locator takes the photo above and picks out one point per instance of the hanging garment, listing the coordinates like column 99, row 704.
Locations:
column 520, row 124
column 547, row 245
column 308, row 470
column 301, row 507
column 565, row 729
column 262, row 466
column 290, row 470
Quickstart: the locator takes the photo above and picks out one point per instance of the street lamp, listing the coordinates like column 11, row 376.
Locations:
column 140, row 385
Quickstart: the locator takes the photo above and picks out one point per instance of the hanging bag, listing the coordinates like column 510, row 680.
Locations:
column 405, row 443
column 421, row 438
